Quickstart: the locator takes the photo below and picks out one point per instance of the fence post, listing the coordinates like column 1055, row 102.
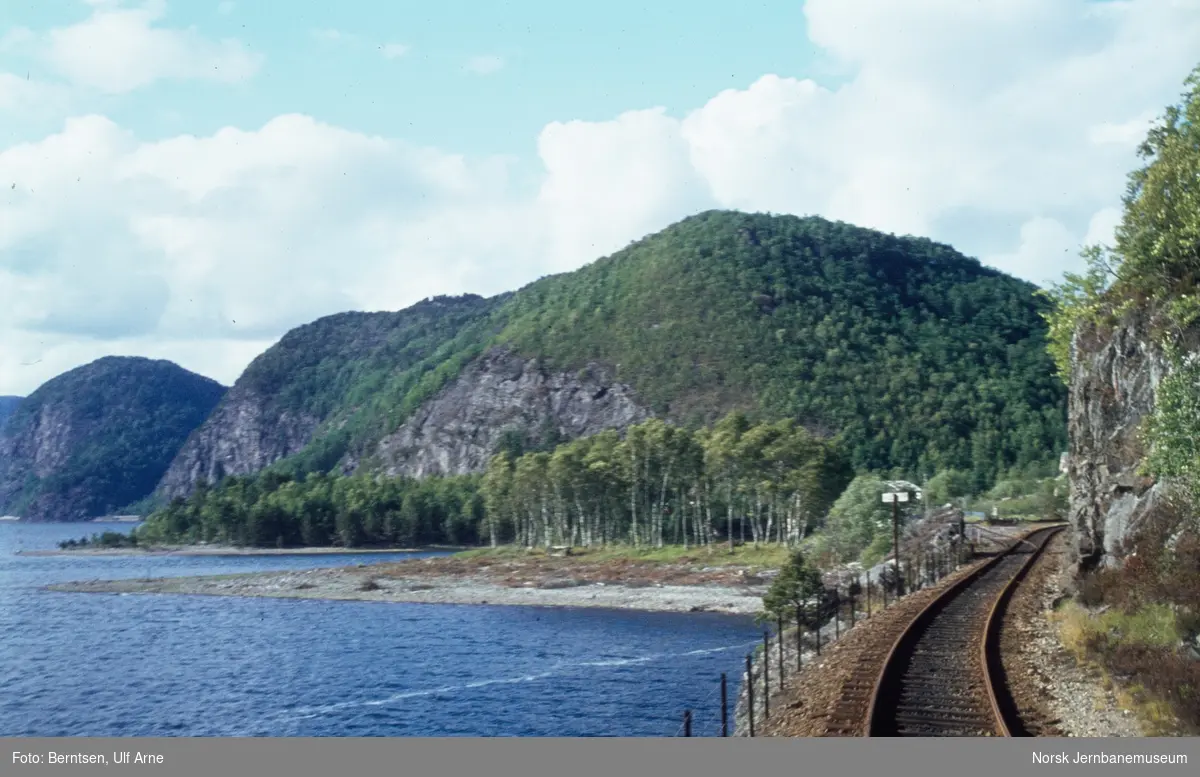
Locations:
column 766, row 674
column 750, row 691
column 837, row 613
column 687, row 723
column 782, row 675
column 724, row 707
column 799, row 638
column 868, row 594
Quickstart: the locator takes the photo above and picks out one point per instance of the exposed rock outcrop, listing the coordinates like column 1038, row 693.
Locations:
column 243, row 436
column 1115, row 372
column 458, row 430
column 98, row 438
column 313, row 380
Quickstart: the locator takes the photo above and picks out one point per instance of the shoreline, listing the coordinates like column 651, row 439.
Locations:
column 363, row 584
column 685, row 585
column 201, row 550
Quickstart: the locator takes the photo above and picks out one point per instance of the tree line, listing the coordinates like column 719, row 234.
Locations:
column 656, row 484
column 663, row 484
column 321, row 510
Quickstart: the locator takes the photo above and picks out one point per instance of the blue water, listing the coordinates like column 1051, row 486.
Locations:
column 167, row 665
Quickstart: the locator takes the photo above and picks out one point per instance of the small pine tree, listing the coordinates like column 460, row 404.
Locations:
column 797, row 585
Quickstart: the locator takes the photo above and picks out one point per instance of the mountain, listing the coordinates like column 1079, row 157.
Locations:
column 8, row 405
column 918, row 357
column 328, row 383
column 99, row 437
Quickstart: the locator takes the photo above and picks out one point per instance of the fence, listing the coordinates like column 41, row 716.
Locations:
column 854, row 599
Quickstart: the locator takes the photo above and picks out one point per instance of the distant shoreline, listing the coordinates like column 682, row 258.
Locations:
column 205, row 550
column 351, row 585
column 697, row 584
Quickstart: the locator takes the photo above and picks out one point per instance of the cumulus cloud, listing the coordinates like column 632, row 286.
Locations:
column 1005, row 127
column 119, row 49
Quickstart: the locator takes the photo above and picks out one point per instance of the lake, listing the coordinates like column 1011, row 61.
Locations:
column 161, row 665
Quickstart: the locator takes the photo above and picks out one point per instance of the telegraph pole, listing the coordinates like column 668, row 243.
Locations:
column 896, row 497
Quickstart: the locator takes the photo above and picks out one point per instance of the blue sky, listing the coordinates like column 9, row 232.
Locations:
column 555, row 61
column 189, row 179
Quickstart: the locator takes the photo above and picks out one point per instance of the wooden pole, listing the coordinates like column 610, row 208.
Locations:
column 799, row 637
column 766, row 674
column 750, row 691
column 724, row 707
column 782, row 676
column 896, row 542
column 837, row 612
column 687, row 723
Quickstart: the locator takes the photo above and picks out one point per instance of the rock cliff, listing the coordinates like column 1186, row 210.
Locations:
column 1115, row 371
column 98, row 438
column 243, row 436
column 460, row 429
column 300, row 392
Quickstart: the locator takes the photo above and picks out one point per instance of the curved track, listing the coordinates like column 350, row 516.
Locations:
column 943, row 676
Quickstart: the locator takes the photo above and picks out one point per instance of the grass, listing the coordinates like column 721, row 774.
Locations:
column 1136, row 654
column 762, row 557
column 1153, row 625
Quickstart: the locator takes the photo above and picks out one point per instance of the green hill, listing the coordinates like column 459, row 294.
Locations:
column 917, row 357
column 97, row 438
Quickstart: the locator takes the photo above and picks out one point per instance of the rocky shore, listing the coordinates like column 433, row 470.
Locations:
column 540, row 582
column 222, row 550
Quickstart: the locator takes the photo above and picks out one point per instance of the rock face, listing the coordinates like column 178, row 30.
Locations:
column 244, row 435
column 98, row 438
column 315, row 378
column 458, row 430
column 1114, row 376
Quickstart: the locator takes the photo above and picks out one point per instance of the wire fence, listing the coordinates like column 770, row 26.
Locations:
column 783, row 652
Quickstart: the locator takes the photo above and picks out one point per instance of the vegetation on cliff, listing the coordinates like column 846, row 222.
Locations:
column 915, row 356
column 99, row 437
column 1148, row 628
column 1154, row 266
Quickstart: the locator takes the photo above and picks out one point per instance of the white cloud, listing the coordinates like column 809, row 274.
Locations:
column 20, row 95
column 393, row 50
column 120, row 49
column 205, row 249
column 226, row 7
column 484, row 65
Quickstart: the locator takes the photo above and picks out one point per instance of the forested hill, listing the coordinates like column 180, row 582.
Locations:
column 324, row 385
column 918, row 357
column 8, row 406
column 97, row 438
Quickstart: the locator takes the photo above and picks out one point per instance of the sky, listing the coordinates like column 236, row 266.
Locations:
column 189, row 179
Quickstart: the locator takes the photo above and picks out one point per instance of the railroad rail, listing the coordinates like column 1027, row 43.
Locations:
column 943, row 675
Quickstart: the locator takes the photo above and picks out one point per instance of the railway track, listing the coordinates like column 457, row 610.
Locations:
column 943, row 675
